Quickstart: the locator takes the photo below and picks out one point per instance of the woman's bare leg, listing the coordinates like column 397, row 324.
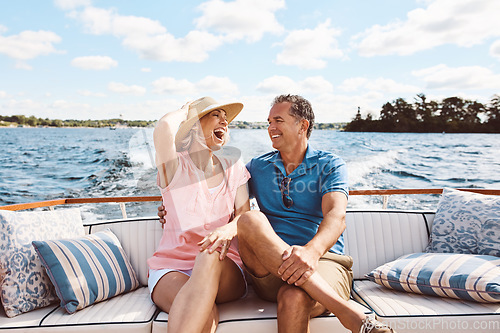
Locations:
column 193, row 308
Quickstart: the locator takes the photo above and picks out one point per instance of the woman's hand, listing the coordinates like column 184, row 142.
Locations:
column 220, row 237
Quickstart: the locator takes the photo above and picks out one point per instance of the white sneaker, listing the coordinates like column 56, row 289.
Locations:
column 371, row 325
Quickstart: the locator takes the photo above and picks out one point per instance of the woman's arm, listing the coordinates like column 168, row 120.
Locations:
column 222, row 236
column 164, row 141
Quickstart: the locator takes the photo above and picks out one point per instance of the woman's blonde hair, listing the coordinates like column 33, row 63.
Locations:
column 194, row 133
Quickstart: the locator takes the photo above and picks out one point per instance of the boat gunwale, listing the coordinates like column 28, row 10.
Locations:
column 72, row 201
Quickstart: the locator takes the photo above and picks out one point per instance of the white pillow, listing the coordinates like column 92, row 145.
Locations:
column 466, row 222
column 24, row 283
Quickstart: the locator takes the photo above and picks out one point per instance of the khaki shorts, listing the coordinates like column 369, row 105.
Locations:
column 333, row 268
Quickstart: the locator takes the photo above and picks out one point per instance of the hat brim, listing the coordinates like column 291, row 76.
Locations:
column 231, row 109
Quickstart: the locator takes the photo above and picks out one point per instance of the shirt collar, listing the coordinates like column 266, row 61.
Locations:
column 308, row 162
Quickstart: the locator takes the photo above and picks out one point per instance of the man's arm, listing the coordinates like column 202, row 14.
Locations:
column 333, row 205
column 299, row 262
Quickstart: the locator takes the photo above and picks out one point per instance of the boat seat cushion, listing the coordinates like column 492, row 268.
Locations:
column 88, row 269
column 131, row 312
column 466, row 222
column 252, row 314
column 409, row 312
column 462, row 276
column 24, row 284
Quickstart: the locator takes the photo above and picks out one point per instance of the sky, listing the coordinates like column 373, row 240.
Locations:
column 102, row 59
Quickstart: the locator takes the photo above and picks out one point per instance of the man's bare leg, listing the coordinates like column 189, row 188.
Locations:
column 295, row 308
column 261, row 250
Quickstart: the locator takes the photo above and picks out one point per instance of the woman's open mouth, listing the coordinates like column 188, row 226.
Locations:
column 219, row 133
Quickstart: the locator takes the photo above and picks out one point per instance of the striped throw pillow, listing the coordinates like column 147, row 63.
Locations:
column 88, row 269
column 463, row 276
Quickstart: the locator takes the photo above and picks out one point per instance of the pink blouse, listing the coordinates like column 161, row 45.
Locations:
column 193, row 212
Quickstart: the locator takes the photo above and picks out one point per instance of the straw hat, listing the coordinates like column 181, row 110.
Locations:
column 201, row 107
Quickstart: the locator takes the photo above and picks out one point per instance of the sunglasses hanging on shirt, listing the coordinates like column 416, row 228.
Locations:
column 285, row 192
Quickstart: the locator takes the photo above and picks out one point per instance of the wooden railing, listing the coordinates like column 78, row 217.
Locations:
column 122, row 200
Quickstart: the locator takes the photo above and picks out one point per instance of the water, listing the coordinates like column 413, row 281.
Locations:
column 48, row 163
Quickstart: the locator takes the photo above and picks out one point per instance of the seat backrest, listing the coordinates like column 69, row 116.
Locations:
column 374, row 238
column 139, row 239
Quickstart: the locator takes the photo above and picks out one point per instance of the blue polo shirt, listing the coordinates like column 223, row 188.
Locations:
column 319, row 173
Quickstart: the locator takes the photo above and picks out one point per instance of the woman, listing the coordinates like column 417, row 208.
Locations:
column 196, row 265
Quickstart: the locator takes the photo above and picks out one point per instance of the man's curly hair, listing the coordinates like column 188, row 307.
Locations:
column 300, row 109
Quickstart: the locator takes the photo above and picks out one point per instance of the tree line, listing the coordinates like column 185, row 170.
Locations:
column 34, row 122
column 451, row 115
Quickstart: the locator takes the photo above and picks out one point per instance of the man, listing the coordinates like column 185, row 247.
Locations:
column 293, row 247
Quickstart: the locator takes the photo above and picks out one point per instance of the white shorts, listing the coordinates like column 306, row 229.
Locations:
column 156, row 274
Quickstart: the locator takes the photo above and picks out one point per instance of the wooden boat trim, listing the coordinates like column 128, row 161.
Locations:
column 70, row 201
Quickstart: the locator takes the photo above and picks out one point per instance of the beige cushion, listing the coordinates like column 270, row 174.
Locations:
column 408, row 312
column 252, row 314
column 131, row 312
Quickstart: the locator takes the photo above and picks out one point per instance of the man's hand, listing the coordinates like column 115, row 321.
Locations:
column 299, row 263
column 161, row 214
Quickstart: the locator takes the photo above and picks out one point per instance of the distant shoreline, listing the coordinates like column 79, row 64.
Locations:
column 234, row 124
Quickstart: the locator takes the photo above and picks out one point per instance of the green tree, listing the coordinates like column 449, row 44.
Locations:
column 406, row 119
column 493, row 114
column 32, row 121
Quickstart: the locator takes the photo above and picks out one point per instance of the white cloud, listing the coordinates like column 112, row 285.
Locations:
column 378, row 85
column 236, row 20
column 461, row 22
column 88, row 93
column 171, row 86
column 194, row 47
column 148, row 37
column 467, row 77
column 63, row 104
column 241, row 19
column 71, row 4
column 3, row 29
column 256, row 108
column 29, row 44
column 278, row 85
column 146, row 70
column 285, row 85
column 121, row 88
column 97, row 63
column 220, row 86
column 25, row 106
column 145, row 110
column 391, row 86
column 23, row 65
column 316, row 85
column 100, row 21
column 308, row 48
column 3, row 94
column 495, row 49
column 353, row 84
column 327, row 107
column 334, row 108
